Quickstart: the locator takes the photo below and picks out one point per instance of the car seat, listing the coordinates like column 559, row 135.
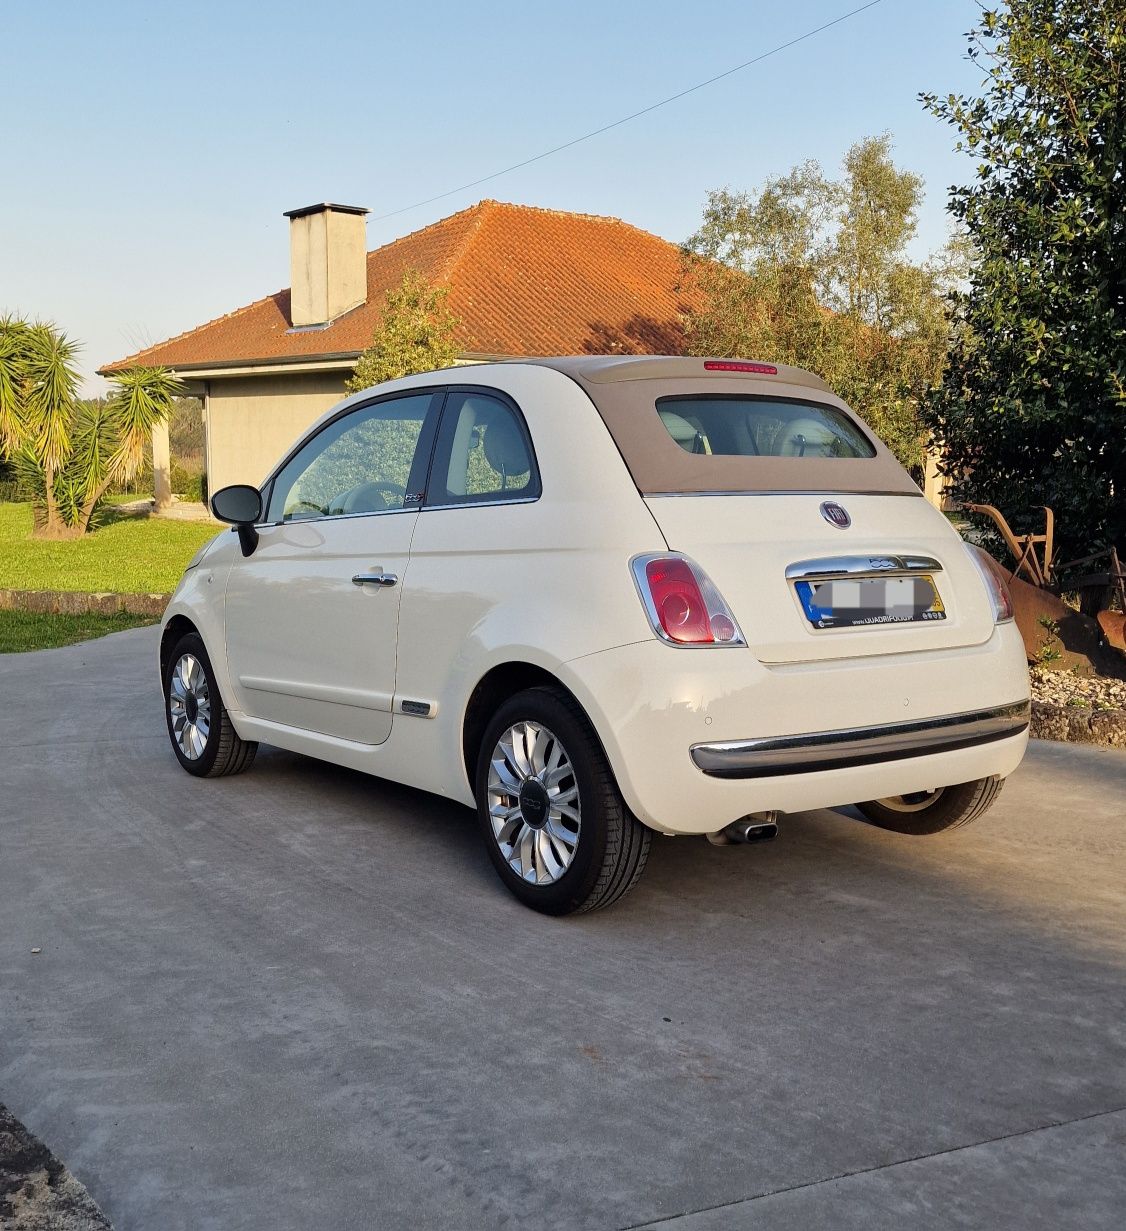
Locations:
column 690, row 439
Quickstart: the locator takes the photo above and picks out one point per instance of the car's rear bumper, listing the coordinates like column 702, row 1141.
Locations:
column 654, row 707
column 770, row 756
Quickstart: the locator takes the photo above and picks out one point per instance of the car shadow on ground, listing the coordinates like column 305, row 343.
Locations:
column 824, row 857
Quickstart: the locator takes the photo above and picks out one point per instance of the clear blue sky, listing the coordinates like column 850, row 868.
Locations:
column 156, row 145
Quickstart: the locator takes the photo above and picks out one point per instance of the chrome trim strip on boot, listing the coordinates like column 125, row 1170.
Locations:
column 861, row 566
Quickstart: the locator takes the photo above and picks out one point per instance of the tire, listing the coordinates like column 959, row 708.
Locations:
column 582, row 858
column 928, row 812
column 205, row 744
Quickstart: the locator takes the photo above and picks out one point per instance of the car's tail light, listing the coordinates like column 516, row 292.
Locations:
column 990, row 572
column 683, row 605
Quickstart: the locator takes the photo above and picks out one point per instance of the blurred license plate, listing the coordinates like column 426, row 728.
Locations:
column 846, row 603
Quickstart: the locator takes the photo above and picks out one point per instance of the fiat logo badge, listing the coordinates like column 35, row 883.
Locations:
column 835, row 515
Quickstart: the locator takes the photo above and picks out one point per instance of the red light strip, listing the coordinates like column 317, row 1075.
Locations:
column 726, row 365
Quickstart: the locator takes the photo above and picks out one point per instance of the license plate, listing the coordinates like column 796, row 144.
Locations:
column 850, row 602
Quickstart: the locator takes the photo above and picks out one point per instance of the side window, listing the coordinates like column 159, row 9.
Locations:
column 362, row 463
column 483, row 453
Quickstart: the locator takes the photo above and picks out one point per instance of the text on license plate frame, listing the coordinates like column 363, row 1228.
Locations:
column 864, row 602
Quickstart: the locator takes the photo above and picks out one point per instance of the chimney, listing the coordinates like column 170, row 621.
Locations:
column 328, row 262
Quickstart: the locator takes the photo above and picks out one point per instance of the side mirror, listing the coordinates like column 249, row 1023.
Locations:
column 241, row 505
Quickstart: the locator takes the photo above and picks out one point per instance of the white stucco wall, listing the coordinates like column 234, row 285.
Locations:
column 252, row 421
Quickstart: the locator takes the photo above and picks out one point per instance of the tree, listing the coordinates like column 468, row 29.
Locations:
column 38, row 397
column 414, row 334
column 1032, row 410
column 68, row 452
column 815, row 272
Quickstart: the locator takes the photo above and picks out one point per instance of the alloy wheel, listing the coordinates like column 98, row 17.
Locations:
column 189, row 706
column 917, row 801
column 533, row 801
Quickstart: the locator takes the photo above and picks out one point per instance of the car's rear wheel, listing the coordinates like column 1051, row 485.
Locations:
column 199, row 727
column 927, row 812
column 556, row 826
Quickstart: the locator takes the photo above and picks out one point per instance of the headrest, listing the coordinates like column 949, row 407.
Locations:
column 804, row 438
column 685, row 435
column 504, row 445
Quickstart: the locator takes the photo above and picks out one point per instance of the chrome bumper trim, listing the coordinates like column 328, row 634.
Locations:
column 772, row 756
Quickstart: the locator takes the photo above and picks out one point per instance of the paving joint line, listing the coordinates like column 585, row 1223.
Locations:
column 846, row 1175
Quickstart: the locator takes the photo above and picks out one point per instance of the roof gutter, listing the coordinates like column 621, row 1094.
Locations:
column 341, row 361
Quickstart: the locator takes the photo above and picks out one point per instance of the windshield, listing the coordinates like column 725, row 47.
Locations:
column 761, row 427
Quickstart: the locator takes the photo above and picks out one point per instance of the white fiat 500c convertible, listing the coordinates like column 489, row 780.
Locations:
column 599, row 598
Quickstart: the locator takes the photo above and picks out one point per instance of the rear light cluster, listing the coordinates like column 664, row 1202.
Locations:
column 683, row 605
column 993, row 576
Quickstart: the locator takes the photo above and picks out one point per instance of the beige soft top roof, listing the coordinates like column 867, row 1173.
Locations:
column 607, row 369
column 625, row 389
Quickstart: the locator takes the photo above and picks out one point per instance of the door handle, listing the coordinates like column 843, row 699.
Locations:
column 375, row 579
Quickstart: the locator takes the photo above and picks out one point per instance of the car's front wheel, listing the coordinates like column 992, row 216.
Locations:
column 555, row 824
column 927, row 812
column 203, row 738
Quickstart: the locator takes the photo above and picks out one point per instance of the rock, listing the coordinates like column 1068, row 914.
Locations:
column 1048, row 721
column 144, row 604
column 1109, row 728
column 104, row 603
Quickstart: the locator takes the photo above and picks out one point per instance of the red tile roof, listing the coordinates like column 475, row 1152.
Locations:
column 522, row 281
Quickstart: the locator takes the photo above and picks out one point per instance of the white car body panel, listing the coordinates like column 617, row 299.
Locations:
column 305, row 646
column 745, row 543
column 729, row 695
column 547, row 582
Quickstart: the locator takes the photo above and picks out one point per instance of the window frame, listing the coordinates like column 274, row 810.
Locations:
column 420, row 463
column 442, row 448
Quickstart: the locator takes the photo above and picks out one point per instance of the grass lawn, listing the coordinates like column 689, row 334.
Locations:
column 28, row 630
column 129, row 555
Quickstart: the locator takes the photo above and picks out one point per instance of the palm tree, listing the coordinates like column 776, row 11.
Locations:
column 38, row 395
column 70, row 452
column 113, row 438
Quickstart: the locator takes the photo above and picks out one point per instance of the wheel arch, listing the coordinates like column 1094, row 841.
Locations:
column 500, row 682
column 178, row 626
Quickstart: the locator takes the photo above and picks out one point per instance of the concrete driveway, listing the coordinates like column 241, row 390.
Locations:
column 301, row 999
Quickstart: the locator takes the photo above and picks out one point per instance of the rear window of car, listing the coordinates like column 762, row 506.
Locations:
column 761, row 427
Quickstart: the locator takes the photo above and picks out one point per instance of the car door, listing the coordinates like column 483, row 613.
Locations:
column 312, row 615
column 479, row 545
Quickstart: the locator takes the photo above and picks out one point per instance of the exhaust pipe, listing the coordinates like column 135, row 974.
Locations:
column 759, row 827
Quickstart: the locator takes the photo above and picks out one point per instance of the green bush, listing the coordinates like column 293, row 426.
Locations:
column 187, row 484
column 10, row 490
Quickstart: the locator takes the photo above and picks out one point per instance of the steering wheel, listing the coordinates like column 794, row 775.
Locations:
column 389, row 493
column 392, row 489
column 304, row 504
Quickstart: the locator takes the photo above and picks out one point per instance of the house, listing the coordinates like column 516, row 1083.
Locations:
column 521, row 280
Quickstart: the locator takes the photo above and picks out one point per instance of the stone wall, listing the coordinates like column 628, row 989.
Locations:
column 1106, row 728
column 72, row 602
